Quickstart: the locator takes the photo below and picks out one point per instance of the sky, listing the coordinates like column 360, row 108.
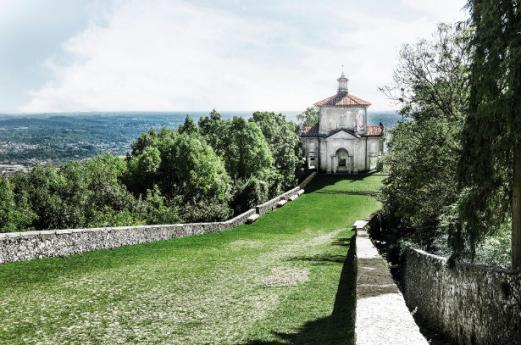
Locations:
column 174, row 55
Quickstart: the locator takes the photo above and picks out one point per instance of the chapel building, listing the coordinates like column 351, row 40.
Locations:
column 342, row 141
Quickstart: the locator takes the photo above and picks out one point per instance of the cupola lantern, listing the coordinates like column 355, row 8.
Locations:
column 342, row 83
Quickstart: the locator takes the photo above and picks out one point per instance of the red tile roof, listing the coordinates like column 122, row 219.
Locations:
column 342, row 99
column 374, row 131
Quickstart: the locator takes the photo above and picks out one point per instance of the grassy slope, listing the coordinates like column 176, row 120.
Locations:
column 281, row 280
column 338, row 184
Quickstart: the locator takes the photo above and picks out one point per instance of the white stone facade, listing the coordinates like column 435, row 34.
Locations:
column 342, row 142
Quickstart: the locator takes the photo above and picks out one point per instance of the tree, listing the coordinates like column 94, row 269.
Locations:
column 490, row 164
column 189, row 126
column 309, row 117
column 185, row 170
column 158, row 210
column 57, row 197
column 109, row 202
column 246, row 152
column 283, row 141
column 431, row 85
column 213, row 129
column 142, row 168
column 244, row 148
column 15, row 212
column 78, row 194
column 191, row 169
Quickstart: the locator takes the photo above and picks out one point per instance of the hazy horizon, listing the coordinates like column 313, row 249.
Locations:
column 173, row 112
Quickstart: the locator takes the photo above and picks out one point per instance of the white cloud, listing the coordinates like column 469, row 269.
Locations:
column 172, row 55
column 438, row 9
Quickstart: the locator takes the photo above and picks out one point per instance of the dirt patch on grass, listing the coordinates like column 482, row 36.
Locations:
column 286, row 276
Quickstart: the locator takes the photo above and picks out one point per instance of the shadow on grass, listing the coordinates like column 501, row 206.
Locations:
column 323, row 180
column 339, row 327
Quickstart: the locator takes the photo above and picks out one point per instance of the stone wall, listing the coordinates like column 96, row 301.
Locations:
column 473, row 305
column 28, row 245
column 307, row 180
column 42, row 244
column 271, row 204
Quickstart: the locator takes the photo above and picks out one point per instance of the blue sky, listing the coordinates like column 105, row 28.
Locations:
column 167, row 55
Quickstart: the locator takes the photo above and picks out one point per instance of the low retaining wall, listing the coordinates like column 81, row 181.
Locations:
column 42, row 244
column 271, row 204
column 474, row 305
column 28, row 245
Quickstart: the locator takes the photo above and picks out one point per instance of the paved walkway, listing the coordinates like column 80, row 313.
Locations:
column 381, row 314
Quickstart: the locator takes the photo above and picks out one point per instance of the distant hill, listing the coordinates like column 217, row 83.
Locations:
column 41, row 138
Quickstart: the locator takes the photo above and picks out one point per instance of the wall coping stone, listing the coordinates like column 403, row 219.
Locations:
column 382, row 316
column 442, row 260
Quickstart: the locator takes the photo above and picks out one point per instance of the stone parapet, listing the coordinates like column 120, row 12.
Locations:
column 28, row 245
column 19, row 246
column 271, row 204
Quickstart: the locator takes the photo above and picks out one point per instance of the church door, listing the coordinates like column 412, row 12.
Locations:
column 343, row 160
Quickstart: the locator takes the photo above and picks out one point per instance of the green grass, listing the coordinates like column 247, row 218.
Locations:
column 286, row 279
column 362, row 184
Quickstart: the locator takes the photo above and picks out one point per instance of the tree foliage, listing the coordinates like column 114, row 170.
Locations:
column 78, row 194
column 15, row 211
column 246, row 152
column 308, row 118
column 182, row 166
column 492, row 130
column 431, row 84
column 213, row 128
column 189, row 126
column 283, row 141
column 192, row 174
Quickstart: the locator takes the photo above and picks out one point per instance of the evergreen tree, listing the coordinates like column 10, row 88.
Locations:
column 490, row 165
column 189, row 126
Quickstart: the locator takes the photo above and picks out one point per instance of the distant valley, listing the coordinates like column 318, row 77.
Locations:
column 26, row 140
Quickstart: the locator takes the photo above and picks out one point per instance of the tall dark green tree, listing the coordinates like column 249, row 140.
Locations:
column 490, row 165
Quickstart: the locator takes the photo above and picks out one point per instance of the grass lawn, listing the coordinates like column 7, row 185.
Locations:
column 339, row 184
column 286, row 279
